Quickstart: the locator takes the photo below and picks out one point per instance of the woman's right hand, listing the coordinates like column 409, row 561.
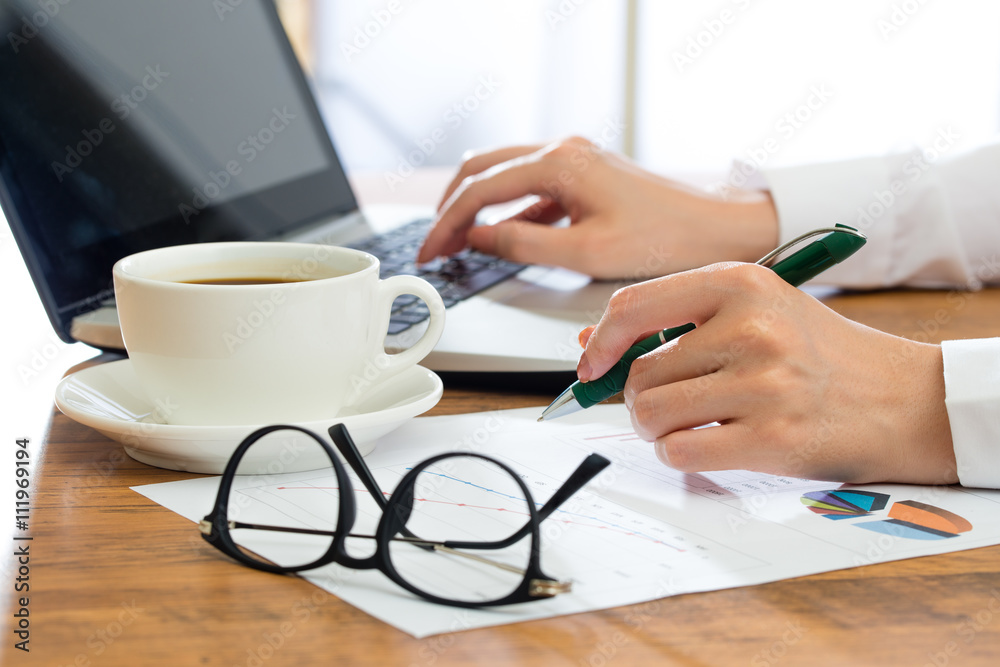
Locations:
column 625, row 222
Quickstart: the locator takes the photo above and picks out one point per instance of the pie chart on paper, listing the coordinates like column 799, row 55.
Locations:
column 909, row 519
column 844, row 504
column 919, row 521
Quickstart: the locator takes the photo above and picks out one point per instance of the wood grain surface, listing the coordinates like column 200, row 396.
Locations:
column 119, row 580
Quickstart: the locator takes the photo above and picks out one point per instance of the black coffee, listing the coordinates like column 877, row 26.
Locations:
column 246, row 281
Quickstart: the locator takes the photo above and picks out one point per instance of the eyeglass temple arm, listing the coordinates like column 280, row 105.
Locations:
column 586, row 471
column 345, row 445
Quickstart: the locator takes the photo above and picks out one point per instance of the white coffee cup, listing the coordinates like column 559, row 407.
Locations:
column 243, row 354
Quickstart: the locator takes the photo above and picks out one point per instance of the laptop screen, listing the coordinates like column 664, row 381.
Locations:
column 132, row 124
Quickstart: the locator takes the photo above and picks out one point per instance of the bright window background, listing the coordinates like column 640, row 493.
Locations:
column 560, row 67
column 891, row 88
column 555, row 77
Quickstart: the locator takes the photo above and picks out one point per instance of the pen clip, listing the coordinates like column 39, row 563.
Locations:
column 771, row 257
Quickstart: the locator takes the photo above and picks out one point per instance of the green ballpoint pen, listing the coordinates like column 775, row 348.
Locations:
column 838, row 244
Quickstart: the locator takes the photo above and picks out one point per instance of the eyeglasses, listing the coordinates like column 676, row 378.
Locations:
column 459, row 529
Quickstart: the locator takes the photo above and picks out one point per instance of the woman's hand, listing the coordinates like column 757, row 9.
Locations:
column 624, row 221
column 796, row 388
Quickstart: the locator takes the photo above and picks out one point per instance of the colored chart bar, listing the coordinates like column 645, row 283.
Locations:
column 930, row 517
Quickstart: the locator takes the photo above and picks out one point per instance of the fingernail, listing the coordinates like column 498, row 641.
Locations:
column 583, row 369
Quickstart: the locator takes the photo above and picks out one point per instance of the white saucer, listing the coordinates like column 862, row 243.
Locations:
column 109, row 399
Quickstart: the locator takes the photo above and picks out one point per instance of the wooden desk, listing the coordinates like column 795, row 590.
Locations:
column 118, row 580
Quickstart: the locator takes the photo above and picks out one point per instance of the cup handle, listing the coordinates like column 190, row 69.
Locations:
column 389, row 289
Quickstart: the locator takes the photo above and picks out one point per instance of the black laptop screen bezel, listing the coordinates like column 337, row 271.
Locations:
column 277, row 210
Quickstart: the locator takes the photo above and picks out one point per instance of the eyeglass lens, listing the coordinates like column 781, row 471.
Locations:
column 469, row 500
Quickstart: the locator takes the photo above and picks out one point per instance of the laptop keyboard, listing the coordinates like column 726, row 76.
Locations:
column 456, row 278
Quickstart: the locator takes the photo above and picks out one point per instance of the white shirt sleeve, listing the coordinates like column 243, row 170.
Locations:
column 972, row 396
column 932, row 220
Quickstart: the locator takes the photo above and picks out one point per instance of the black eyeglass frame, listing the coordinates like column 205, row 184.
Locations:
column 535, row 585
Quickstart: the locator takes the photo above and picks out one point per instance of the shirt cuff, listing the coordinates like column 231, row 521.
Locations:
column 808, row 197
column 972, row 398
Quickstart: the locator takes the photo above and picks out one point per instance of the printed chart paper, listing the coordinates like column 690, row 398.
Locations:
column 639, row 531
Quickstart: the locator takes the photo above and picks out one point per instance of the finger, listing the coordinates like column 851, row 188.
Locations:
column 478, row 162
column 506, row 182
column 694, row 355
column 550, row 212
column 723, row 447
column 684, row 405
column 585, row 334
column 544, row 211
column 693, row 296
column 530, row 243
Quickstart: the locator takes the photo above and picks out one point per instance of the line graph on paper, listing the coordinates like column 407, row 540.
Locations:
column 586, row 519
column 589, row 538
column 629, row 452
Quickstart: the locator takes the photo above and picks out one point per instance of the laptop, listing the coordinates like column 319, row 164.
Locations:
column 127, row 125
